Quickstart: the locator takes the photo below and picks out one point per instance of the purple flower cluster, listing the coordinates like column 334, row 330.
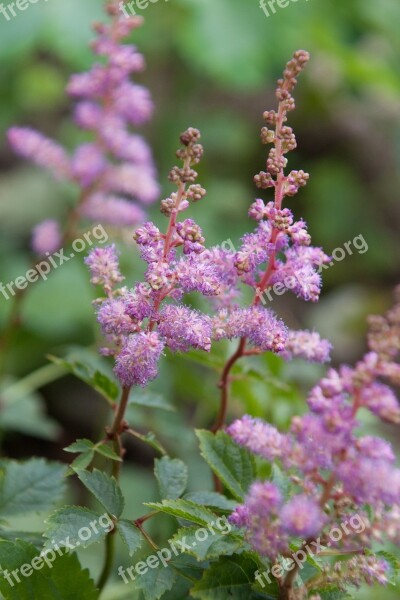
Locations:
column 333, row 472
column 140, row 322
column 156, row 305
column 115, row 170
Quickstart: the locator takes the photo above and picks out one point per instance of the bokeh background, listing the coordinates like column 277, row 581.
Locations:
column 211, row 64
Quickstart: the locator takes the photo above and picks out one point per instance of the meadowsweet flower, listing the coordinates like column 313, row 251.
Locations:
column 184, row 328
column 104, row 267
column 308, row 345
column 137, row 362
column 302, row 516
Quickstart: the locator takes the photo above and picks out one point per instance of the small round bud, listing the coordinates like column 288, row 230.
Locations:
column 190, row 136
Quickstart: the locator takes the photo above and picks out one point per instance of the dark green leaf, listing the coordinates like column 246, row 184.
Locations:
column 58, row 577
column 150, row 400
column 205, row 545
column 213, row 499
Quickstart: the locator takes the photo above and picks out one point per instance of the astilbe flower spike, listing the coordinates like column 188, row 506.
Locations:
column 336, row 475
column 140, row 322
column 277, row 253
column 114, row 170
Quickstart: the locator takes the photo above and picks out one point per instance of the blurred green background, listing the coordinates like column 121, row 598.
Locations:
column 211, row 64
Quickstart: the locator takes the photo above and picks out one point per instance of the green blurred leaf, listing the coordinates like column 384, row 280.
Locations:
column 31, row 486
column 172, row 477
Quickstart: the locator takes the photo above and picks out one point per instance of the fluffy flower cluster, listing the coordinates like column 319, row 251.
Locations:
column 115, row 170
column 178, row 263
column 142, row 321
column 334, row 473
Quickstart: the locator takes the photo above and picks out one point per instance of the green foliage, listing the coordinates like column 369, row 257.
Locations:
column 230, row 577
column 130, row 535
column 105, row 489
column 32, row 486
column 184, row 509
column 172, row 477
column 232, row 464
column 94, row 378
column 61, row 577
column 68, row 523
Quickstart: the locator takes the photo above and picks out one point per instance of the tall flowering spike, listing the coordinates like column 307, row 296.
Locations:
column 277, row 232
column 139, row 323
column 337, row 475
column 108, row 104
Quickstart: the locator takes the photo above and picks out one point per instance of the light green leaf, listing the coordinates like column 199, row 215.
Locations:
column 232, row 464
column 213, row 499
column 81, row 445
column 150, row 400
column 172, row 477
column 108, row 452
column 183, row 509
column 35, row 485
column 105, row 489
column 130, row 535
column 81, row 462
column 80, row 526
column 150, row 439
column 207, row 545
column 62, row 578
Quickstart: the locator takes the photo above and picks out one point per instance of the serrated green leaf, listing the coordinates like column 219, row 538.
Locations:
column 155, row 582
column 81, row 462
column 150, row 400
column 108, row 452
column 62, row 578
column 205, row 545
column 231, row 577
column 332, row 593
column 105, row 489
column 232, row 464
column 151, row 440
column 81, row 445
column 212, row 499
column 94, row 378
column 80, row 526
column 130, row 535
column 36, row 539
column 172, row 477
column 183, row 509
column 31, row 486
